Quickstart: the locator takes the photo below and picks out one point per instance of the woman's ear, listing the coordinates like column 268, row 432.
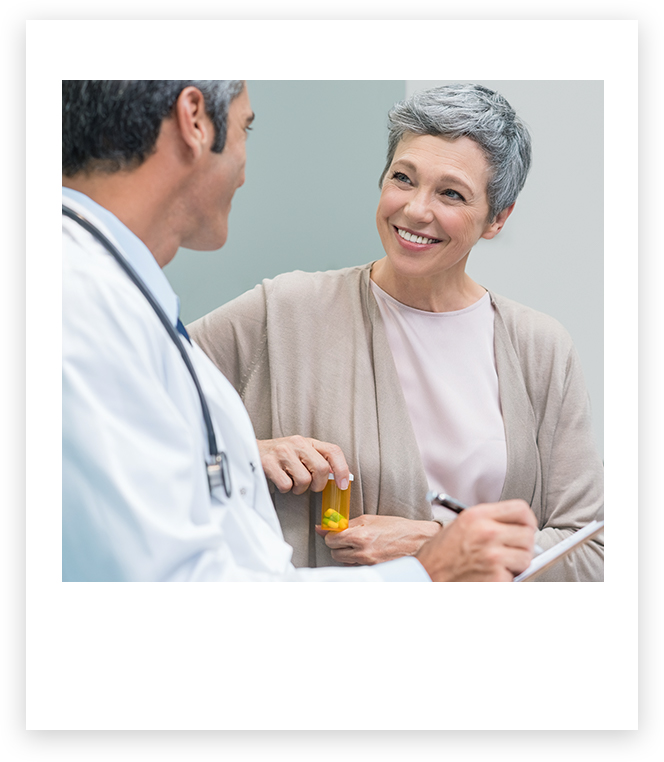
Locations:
column 496, row 226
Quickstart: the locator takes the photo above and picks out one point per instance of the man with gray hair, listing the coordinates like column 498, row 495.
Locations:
column 162, row 477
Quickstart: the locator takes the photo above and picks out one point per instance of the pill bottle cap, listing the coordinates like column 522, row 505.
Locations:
column 331, row 476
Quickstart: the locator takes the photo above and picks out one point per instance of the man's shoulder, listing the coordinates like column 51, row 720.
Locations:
column 102, row 308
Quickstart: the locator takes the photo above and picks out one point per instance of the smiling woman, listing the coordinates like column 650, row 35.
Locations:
column 421, row 376
column 433, row 209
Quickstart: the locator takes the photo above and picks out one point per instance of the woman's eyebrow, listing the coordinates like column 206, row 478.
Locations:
column 456, row 180
column 447, row 178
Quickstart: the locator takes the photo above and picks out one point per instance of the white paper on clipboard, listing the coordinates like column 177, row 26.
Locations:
column 560, row 550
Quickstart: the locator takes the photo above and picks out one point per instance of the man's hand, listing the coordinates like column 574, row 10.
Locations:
column 298, row 464
column 372, row 539
column 492, row 542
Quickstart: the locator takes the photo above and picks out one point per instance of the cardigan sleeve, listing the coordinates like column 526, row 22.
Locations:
column 572, row 478
column 553, row 462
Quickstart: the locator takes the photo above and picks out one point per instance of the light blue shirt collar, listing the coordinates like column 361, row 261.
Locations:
column 135, row 252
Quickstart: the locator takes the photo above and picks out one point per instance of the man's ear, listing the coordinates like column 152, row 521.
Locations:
column 497, row 225
column 194, row 125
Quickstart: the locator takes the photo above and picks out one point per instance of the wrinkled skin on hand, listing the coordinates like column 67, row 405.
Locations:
column 373, row 539
column 300, row 463
column 492, row 542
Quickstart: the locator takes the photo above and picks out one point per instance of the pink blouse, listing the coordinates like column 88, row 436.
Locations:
column 446, row 364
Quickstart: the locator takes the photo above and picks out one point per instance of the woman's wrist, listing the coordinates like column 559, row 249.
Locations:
column 430, row 528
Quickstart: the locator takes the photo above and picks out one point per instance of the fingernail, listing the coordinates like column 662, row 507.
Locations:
column 344, row 484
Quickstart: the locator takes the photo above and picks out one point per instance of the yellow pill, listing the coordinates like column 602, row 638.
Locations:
column 332, row 525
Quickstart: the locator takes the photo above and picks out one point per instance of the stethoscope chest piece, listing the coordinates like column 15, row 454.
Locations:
column 219, row 474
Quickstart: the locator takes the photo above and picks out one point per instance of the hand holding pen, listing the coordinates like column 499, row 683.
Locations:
column 447, row 501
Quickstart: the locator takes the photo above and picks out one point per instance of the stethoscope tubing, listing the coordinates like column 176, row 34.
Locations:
column 216, row 458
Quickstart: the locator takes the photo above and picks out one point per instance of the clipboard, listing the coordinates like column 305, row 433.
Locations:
column 560, row 550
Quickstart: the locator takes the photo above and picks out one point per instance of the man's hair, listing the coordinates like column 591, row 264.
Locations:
column 114, row 124
column 473, row 111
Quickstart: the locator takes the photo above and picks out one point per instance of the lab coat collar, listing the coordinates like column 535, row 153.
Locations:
column 130, row 245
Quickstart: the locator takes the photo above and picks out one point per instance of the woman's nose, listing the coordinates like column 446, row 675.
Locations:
column 418, row 207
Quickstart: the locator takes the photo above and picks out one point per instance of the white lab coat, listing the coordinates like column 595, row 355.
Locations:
column 136, row 503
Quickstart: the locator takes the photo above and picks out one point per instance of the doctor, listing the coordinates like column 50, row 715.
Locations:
column 162, row 477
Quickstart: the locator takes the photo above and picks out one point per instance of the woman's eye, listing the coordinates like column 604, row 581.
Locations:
column 453, row 194
column 400, row 177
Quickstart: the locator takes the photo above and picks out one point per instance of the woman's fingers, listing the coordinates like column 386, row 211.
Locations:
column 298, row 463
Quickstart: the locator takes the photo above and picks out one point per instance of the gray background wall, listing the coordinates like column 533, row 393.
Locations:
column 314, row 157
column 309, row 202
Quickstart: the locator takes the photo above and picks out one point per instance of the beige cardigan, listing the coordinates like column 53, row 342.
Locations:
column 308, row 354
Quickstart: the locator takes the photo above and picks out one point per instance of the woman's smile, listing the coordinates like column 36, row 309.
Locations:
column 414, row 241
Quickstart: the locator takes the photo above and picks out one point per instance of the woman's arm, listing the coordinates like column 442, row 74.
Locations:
column 572, row 480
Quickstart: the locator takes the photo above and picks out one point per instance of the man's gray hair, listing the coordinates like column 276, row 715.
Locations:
column 473, row 111
column 114, row 124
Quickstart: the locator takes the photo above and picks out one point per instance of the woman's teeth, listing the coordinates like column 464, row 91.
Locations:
column 415, row 238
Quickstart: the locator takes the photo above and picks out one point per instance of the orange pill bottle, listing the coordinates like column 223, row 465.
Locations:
column 335, row 513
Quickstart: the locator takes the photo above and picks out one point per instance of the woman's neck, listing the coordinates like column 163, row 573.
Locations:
column 449, row 292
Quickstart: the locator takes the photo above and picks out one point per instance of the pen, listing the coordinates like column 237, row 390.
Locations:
column 440, row 498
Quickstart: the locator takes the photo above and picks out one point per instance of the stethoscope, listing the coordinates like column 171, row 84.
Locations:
column 217, row 466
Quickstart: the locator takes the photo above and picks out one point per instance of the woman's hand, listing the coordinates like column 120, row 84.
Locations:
column 372, row 539
column 300, row 463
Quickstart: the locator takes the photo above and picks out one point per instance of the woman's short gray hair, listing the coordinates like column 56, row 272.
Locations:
column 473, row 111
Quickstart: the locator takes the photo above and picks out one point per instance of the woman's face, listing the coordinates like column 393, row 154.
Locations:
column 433, row 205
